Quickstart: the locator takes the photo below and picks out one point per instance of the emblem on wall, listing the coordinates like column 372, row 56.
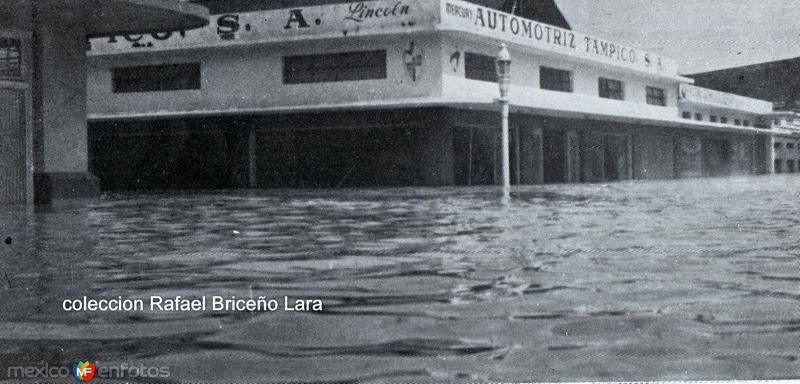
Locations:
column 412, row 60
column 455, row 59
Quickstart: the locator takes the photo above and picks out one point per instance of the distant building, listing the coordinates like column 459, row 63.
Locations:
column 401, row 93
column 785, row 142
column 778, row 82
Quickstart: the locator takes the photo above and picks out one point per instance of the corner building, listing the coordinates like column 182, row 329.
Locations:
column 401, row 93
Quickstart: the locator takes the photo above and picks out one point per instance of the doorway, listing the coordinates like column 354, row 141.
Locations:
column 716, row 157
column 476, row 156
column 16, row 177
column 617, row 159
column 554, row 159
column 606, row 157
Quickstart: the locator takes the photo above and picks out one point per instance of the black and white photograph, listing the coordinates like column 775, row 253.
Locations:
column 399, row 191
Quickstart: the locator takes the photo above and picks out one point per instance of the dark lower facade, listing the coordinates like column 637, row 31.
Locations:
column 403, row 147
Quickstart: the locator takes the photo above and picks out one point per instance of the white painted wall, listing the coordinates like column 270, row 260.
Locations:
column 526, row 66
column 251, row 78
column 245, row 79
column 526, row 93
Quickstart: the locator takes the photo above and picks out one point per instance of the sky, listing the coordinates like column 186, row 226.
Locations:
column 701, row 35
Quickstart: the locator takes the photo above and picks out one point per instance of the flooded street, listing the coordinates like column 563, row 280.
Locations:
column 669, row 280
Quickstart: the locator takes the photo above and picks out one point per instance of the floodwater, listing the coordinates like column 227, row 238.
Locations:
column 668, row 280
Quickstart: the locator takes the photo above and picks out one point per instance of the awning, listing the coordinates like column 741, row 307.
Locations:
column 645, row 123
column 115, row 17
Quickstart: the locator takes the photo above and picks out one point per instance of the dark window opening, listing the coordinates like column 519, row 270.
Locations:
column 737, row 122
column 777, row 145
column 10, row 59
column 789, row 145
column 712, row 118
column 723, row 120
column 154, row 78
column 790, row 166
column 611, row 89
column 746, row 123
column 698, row 116
column 687, row 115
column 555, row 79
column 347, row 66
column 778, row 163
column 479, row 67
column 655, row 96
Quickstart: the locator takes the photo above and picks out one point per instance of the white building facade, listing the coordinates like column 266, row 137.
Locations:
column 401, row 92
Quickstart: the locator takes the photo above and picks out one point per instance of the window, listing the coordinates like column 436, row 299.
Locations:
column 479, row 67
column 723, row 120
column 611, row 89
column 712, row 118
column 789, row 145
column 687, row 115
column 778, row 163
column 10, row 59
column 776, row 145
column 789, row 166
column 698, row 116
column 737, row 122
column 153, row 78
column 555, row 79
column 746, row 123
column 333, row 67
column 655, row 96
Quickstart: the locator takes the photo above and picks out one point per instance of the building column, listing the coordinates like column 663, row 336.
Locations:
column 252, row 171
column 517, row 170
column 538, row 133
column 60, row 136
column 572, row 153
column 770, row 154
column 530, row 155
column 753, row 156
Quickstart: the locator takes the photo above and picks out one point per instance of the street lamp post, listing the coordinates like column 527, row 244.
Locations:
column 503, row 67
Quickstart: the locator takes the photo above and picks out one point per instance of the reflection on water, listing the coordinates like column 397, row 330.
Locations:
column 687, row 279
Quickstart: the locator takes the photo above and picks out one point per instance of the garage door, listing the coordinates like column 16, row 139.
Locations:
column 12, row 146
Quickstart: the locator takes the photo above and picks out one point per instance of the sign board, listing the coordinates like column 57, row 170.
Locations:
column 388, row 17
column 693, row 94
column 467, row 17
column 329, row 21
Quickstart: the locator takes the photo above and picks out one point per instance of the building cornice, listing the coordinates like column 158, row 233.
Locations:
column 396, row 17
